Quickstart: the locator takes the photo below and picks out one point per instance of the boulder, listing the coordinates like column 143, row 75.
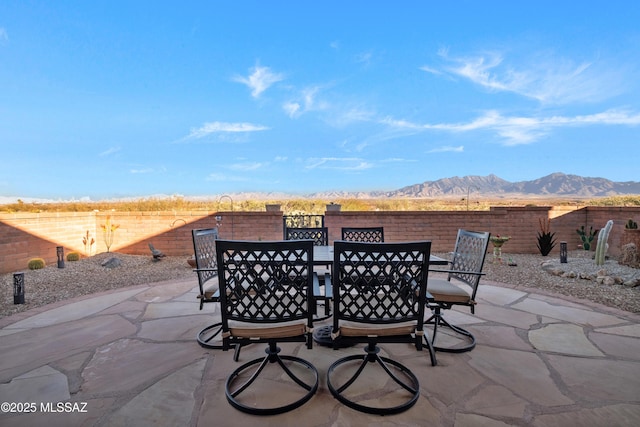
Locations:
column 629, row 255
column 112, row 263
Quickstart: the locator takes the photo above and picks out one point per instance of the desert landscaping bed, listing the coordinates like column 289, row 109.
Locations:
column 88, row 276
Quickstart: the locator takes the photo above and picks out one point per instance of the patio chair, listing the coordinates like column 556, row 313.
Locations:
column 379, row 297
column 459, row 287
column 320, row 235
column 265, row 297
column 363, row 234
column 204, row 248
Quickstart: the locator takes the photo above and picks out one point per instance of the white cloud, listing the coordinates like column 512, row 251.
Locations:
column 222, row 128
column 246, row 166
column 4, row 36
column 307, row 102
column 339, row 163
column 447, row 149
column 292, row 109
column 259, row 80
column 364, row 58
column 516, row 130
column 430, row 70
column 141, row 171
column 110, row 151
column 543, row 77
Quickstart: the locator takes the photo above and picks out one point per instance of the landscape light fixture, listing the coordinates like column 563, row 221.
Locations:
column 18, row 288
column 60, row 254
column 563, row 252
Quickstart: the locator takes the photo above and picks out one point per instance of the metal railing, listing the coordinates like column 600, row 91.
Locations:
column 300, row 221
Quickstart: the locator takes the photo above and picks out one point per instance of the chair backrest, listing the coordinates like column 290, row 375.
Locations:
column 363, row 234
column 320, row 235
column 469, row 256
column 265, row 282
column 204, row 248
column 380, row 283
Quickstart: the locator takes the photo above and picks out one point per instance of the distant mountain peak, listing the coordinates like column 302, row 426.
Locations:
column 555, row 184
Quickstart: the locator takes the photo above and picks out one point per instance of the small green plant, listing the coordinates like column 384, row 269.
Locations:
column 586, row 238
column 631, row 225
column 36, row 263
column 108, row 230
column 73, row 256
column 546, row 242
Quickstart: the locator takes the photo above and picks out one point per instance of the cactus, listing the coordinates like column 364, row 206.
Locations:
column 36, row 263
column 601, row 247
column 73, row 256
column 586, row 238
column 631, row 225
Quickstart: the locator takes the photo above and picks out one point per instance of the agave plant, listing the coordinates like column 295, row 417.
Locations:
column 546, row 242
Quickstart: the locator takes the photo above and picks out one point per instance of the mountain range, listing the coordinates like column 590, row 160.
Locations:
column 553, row 185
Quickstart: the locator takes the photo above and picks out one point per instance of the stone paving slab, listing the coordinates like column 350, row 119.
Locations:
column 131, row 356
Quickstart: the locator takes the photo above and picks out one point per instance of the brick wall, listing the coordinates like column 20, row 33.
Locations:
column 27, row 235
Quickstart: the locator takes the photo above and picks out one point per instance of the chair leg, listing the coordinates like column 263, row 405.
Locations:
column 437, row 319
column 372, row 356
column 209, row 337
column 432, row 351
column 271, row 357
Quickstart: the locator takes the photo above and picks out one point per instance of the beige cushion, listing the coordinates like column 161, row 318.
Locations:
column 293, row 328
column 355, row 329
column 445, row 291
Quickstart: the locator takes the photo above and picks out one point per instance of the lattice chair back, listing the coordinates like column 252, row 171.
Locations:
column 204, row 247
column 363, row 234
column 320, row 235
column 266, row 283
column 380, row 283
column 468, row 258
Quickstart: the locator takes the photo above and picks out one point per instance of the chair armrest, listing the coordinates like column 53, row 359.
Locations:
column 476, row 273
column 195, row 270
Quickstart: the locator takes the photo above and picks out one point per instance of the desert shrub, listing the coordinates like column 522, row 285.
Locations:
column 73, row 256
column 36, row 264
column 546, row 242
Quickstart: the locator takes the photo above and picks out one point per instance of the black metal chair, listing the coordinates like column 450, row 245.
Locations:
column 204, row 247
column 363, row 234
column 465, row 270
column 379, row 297
column 320, row 235
column 265, row 297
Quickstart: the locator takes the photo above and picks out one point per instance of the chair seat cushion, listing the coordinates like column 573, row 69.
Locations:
column 355, row 329
column 445, row 291
column 293, row 328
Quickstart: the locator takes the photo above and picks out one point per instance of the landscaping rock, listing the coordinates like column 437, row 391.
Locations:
column 112, row 263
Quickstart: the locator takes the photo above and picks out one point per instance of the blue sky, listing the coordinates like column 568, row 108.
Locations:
column 106, row 99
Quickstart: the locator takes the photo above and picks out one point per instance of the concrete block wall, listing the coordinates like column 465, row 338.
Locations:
column 521, row 224
column 36, row 235
column 28, row 235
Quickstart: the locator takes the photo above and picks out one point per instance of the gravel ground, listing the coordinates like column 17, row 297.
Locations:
column 88, row 276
